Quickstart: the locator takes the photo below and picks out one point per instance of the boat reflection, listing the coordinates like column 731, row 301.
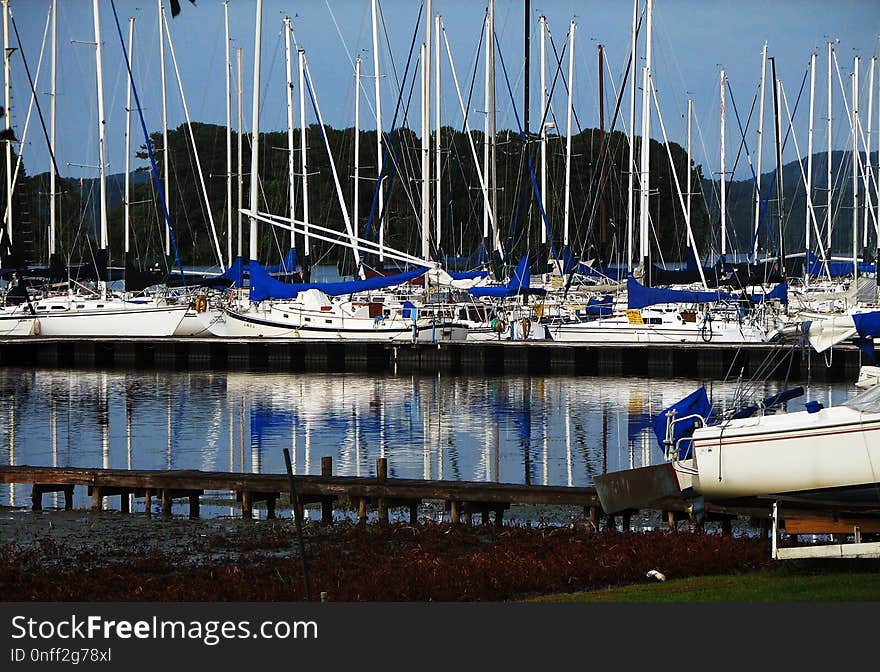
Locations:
column 555, row 430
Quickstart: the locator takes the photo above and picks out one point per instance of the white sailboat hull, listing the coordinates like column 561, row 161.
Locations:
column 16, row 326
column 787, row 453
column 60, row 317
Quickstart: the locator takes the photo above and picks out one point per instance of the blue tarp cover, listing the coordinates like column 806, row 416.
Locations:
column 696, row 402
column 836, row 269
column 264, row 286
column 518, row 284
column 639, row 296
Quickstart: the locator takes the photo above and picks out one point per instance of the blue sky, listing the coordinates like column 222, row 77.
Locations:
column 693, row 40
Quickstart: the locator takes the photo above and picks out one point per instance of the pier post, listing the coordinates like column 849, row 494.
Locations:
column 148, row 502
column 247, row 505
column 124, row 503
column 499, row 516
column 594, row 518
column 97, row 498
column 382, row 476
column 194, row 505
column 68, row 497
column 671, row 522
column 454, row 512
column 610, row 522
column 36, row 498
column 362, row 510
column 270, row 507
column 626, row 520
column 413, row 513
column 166, row 502
column 726, row 526
column 326, row 502
column 484, row 515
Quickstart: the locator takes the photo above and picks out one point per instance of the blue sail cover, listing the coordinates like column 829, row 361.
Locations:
column 600, row 307
column 518, row 284
column 571, row 264
column 639, row 296
column 235, row 273
column 836, row 269
column 264, row 286
column 467, row 275
column 287, row 265
column 697, row 402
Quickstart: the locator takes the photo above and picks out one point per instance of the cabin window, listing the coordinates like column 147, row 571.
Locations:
column 285, row 316
column 308, row 319
column 328, row 321
column 58, row 308
column 42, row 308
column 80, row 305
column 653, row 320
column 100, row 305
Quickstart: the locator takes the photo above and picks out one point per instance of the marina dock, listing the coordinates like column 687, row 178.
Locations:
column 484, row 358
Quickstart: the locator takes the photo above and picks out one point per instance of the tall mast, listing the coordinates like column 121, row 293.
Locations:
column 603, row 214
column 630, row 170
column 527, row 71
column 165, row 150
column 101, row 135
column 7, row 102
column 779, row 192
column 855, row 163
column 290, row 145
column 128, row 139
column 760, row 151
column 357, row 143
column 867, row 170
column 723, row 174
column 379, row 158
column 438, row 184
column 255, row 131
column 240, row 160
column 424, row 60
column 828, row 213
column 486, row 141
column 566, row 206
column 303, row 145
column 543, row 23
column 644, row 192
column 810, row 148
column 53, row 188
column 493, row 163
column 228, row 139
column 689, row 175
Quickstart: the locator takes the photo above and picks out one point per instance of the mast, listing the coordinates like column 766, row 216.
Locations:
column 543, row 23
column 527, row 44
column 7, row 102
column 723, row 174
column 689, row 175
column 486, row 142
column 810, row 150
column 644, row 192
column 303, row 145
column 855, row 164
column 228, row 139
column 128, row 139
column 779, row 193
column 630, row 205
column 357, row 142
column 493, row 163
column 102, row 284
column 828, row 177
column 760, row 152
column 566, row 206
column 53, row 187
column 290, row 145
column 438, row 184
column 867, row 171
column 255, row 132
column 603, row 214
column 165, row 151
column 238, row 99
column 426, row 137
column 379, row 158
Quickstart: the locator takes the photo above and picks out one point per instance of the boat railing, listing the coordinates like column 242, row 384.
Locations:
column 671, row 444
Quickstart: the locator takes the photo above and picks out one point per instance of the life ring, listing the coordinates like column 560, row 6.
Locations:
column 498, row 325
column 526, row 327
column 201, row 303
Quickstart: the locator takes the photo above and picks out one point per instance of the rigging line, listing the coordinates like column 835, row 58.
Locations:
column 743, row 144
column 348, row 54
column 149, row 145
column 559, row 57
column 531, row 157
column 387, row 144
column 33, row 90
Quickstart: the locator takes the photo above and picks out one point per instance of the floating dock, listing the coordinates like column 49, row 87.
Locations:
column 790, row 362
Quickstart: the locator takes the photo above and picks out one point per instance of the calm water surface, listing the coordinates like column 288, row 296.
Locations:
column 553, row 430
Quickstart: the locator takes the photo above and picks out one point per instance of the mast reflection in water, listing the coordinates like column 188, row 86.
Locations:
column 554, row 430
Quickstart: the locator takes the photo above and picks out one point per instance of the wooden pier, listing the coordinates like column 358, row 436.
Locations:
column 483, row 358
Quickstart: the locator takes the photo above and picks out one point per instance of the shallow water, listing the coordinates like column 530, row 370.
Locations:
column 555, row 430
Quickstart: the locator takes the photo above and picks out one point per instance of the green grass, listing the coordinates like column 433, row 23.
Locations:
column 773, row 585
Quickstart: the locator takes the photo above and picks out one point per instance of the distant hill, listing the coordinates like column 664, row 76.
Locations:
column 89, row 190
column 741, row 205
